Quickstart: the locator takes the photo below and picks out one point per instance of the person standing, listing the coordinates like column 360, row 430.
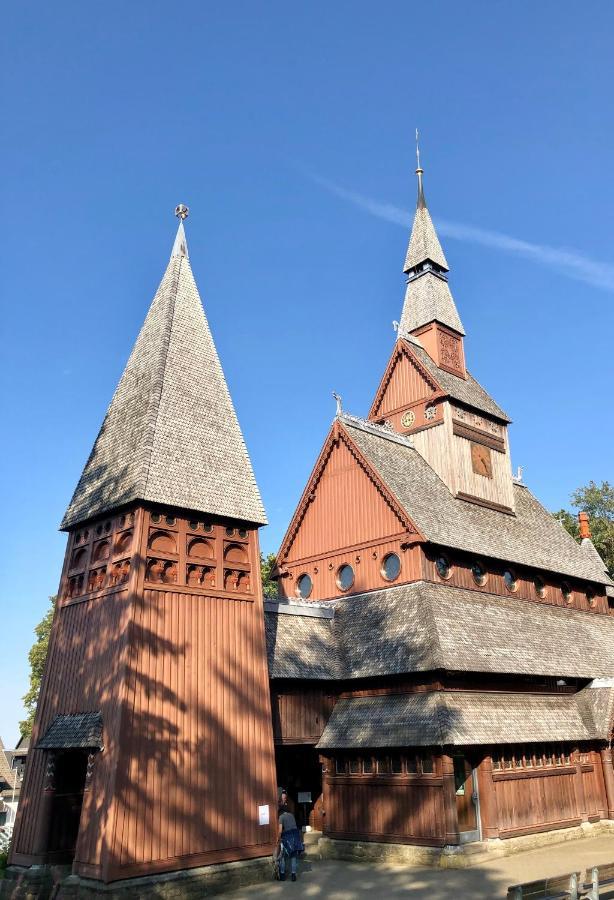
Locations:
column 289, row 842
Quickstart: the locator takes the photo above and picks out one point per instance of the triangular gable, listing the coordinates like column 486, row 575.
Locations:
column 344, row 492
column 405, row 381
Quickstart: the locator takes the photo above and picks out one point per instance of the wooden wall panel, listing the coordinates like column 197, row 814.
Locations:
column 347, row 509
column 196, row 759
column 366, row 562
column 408, row 811
column 435, row 445
column 498, row 489
column 406, row 384
column 300, row 717
column 462, row 577
column 536, row 803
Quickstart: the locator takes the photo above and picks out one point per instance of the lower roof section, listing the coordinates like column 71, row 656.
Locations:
column 422, row 626
column 463, row 718
column 82, row 731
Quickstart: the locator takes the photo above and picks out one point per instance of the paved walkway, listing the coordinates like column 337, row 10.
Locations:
column 354, row 881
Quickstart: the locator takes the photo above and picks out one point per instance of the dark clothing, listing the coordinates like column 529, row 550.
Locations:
column 286, row 820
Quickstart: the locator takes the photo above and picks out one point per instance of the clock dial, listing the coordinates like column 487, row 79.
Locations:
column 481, row 461
column 408, row 418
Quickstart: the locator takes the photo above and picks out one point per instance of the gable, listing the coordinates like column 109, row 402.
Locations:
column 405, row 381
column 344, row 504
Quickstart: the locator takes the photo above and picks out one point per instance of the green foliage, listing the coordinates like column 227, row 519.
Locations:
column 36, row 658
column 598, row 501
column 4, row 858
column 269, row 585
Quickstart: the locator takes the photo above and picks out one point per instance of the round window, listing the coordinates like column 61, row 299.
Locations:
column 193, row 524
column 444, row 569
column 479, row 573
column 566, row 592
column 590, row 596
column 345, row 577
column 208, row 527
column 230, row 532
column 155, row 517
column 540, row 586
column 304, row 586
column 510, row 580
column 391, row 566
column 242, row 533
column 170, row 520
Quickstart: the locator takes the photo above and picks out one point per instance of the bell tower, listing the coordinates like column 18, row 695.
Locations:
column 427, row 392
column 152, row 749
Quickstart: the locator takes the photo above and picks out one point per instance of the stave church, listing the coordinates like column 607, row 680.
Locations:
column 435, row 674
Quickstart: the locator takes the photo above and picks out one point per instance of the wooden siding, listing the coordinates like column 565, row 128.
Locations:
column 398, row 809
column 299, row 717
column 402, row 384
column 461, row 576
column 535, row 800
column 180, row 676
column 347, row 509
column 498, row 489
column 366, row 560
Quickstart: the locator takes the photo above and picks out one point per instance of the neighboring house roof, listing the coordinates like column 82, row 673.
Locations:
column 69, row 732
column 428, row 299
column 6, row 773
column 532, row 537
column 423, row 626
column 171, row 434
column 466, row 390
column 458, row 718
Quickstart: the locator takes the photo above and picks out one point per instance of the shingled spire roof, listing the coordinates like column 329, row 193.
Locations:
column 428, row 296
column 171, row 434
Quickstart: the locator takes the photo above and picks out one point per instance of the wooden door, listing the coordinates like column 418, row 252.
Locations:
column 466, row 788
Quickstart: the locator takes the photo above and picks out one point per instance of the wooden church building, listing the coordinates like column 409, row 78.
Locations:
column 440, row 657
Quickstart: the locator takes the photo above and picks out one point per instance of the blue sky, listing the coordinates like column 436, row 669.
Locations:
column 289, row 131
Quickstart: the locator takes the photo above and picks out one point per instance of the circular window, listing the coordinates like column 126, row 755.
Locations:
column 345, row 577
column 444, row 569
column 566, row 592
column 170, row 520
column 208, row 527
column 78, row 537
column 121, row 521
column 242, row 533
column 107, row 527
column 193, row 525
column 99, row 529
column 391, row 566
column 479, row 573
column 540, row 586
column 590, row 596
column 230, row 532
column 86, row 534
column 155, row 517
column 510, row 580
column 304, row 586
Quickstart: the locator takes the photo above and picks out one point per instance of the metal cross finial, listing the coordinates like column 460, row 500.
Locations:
column 418, row 150
column 396, row 325
column 419, row 173
column 338, row 399
column 182, row 211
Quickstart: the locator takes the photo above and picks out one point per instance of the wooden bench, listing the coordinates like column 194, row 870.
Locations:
column 573, row 886
column 563, row 887
column 600, row 877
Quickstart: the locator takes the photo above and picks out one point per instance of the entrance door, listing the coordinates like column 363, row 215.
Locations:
column 467, row 801
column 70, row 771
column 299, row 772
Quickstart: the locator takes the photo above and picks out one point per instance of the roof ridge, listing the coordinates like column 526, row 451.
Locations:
column 384, row 431
column 169, row 331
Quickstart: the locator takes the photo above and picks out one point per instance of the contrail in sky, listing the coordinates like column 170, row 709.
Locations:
column 566, row 262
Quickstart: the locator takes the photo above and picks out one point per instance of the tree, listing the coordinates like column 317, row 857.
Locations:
column 598, row 501
column 269, row 585
column 36, row 658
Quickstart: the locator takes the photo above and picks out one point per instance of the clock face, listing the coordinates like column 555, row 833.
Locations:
column 481, row 461
column 408, row 418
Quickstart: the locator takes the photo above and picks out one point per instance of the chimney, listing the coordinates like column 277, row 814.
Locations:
column 585, row 531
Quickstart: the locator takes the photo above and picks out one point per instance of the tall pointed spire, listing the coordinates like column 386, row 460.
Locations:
column 171, row 434
column 428, row 298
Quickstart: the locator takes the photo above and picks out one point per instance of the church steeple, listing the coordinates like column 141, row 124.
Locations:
column 171, row 434
column 429, row 311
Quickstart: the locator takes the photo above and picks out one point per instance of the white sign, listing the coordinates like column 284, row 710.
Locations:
column 304, row 796
column 263, row 815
